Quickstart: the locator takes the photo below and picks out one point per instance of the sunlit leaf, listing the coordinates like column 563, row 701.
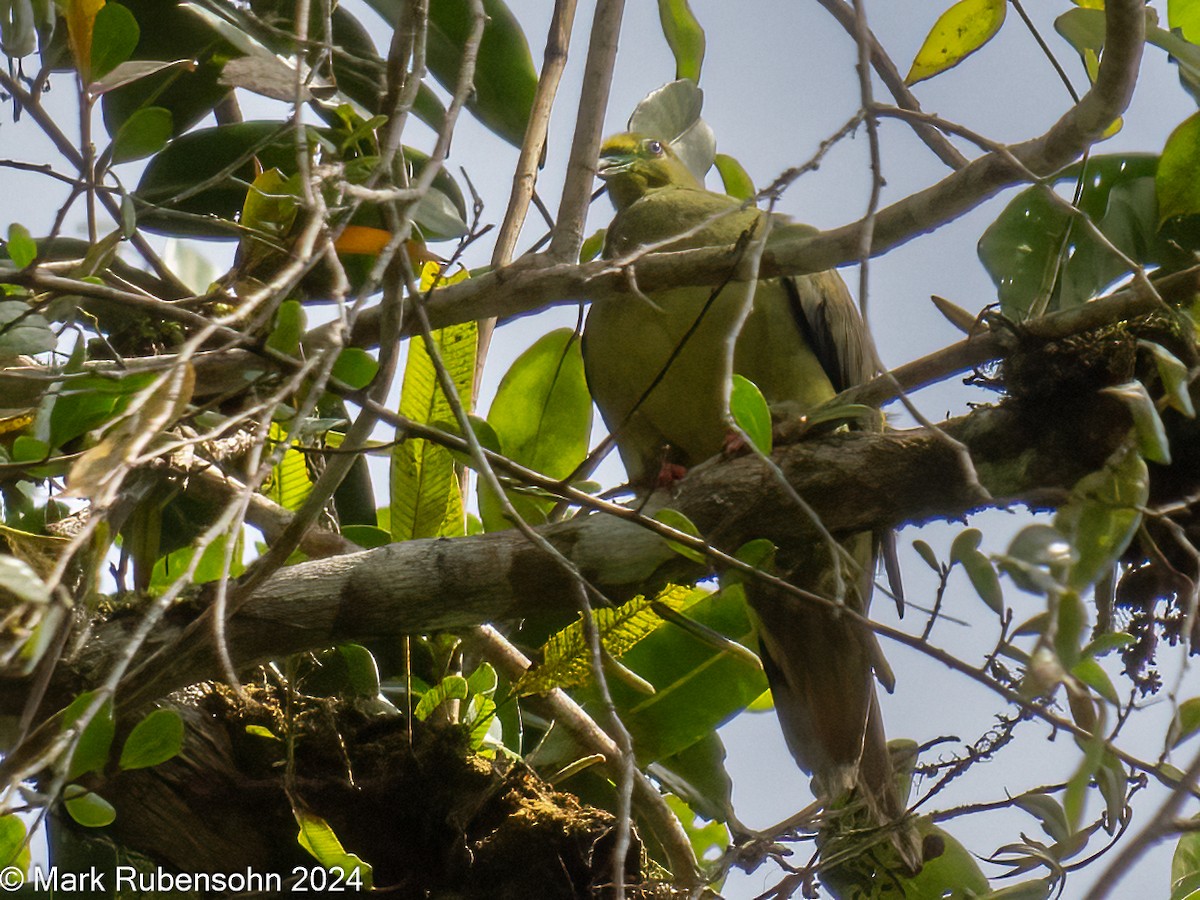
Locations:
column 155, row 739
column 92, row 747
column 14, row 849
column 319, row 839
column 736, row 180
column 21, row 247
column 566, row 656
column 87, row 808
column 452, row 687
column 965, row 551
column 750, row 412
column 677, row 520
column 1176, row 182
column 1174, row 376
column 1186, row 722
column 684, row 36
column 425, row 499
column 959, row 31
column 1147, row 423
column 542, row 417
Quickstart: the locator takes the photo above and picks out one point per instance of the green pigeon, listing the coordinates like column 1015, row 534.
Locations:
column 659, row 369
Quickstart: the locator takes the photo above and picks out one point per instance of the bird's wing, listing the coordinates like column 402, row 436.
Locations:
column 829, row 319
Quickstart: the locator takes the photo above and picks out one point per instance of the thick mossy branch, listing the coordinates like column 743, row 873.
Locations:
column 1029, row 450
column 428, row 814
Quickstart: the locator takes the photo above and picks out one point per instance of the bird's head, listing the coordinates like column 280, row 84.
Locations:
column 632, row 165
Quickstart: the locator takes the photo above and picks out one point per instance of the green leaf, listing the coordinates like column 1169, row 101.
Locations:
column 542, row 417
column 1174, row 376
column 737, row 182
column 143, row 134
column 91, row 750
column 677, row 520
column 1103, row 515
column 567, row 657
column 14, row 849
column 115, row 34
column 1185, row 723
column 1176, row 182
column 1068, row 633
column 21, row 247
column 697, row 686
column 1147, row 423
column 290, row 482
column 452, row 687
column 22, row 331
column 750, row 413
column 1090, row 673
column 1048, row 812
column 697, row 776
column 592, row 245
column 926, row 553
column 19, row 579
column 320, row 840
column 1185, row 867
column 1077, row 785
column 706, row 836
column 965, row 551
column 505, row 78
column 425, row 498
column 154, row 740
column 289, row 327
column 355, row 368
column 223, row 160
column 1027, row 250
column 361, row 669
column 672, row 114
column 684, row 36
column 367, row 536
column 1185, row 16
column 87, row 808
column 959, row 31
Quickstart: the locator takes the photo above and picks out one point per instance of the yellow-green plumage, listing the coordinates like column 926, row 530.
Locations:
column 659, row 369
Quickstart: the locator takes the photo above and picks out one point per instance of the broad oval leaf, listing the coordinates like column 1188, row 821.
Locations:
column 1042, row 258
column 143, row 134
column 542, row 417
column 92, row 747
column 14, row 849
column 505, row 78
column 154, row 740
column 959, row 31
column 23, row 331
column 115, row 34
column 1176, row 182
column 87, row 808
column 1103, row 515
column 750, row 412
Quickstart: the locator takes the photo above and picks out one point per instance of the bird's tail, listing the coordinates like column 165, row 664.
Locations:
column 822, row 667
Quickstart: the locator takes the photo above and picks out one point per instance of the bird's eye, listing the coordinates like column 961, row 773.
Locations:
column 654, row 148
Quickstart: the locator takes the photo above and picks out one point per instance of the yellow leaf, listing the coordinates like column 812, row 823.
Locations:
column 959, row 31
column 81, row 15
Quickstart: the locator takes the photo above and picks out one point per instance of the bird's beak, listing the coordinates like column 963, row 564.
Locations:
column 614, row 164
